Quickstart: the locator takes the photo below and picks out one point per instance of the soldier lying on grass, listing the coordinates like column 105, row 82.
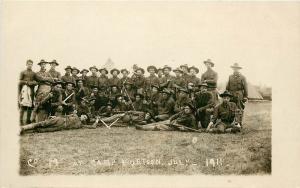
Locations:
column 182, row 121
column 58, row 123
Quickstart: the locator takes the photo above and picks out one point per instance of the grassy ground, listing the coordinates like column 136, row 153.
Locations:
column 128, row 151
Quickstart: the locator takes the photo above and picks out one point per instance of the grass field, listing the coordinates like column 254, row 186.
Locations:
column 122, row 150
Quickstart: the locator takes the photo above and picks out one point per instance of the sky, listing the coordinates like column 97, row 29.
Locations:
column 259, row 36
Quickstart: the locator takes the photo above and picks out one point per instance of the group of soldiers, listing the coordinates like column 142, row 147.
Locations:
column 92, row 97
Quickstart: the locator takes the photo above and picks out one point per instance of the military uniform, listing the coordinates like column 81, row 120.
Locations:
column 45, row 81
column 204, row 103
column 70, row 102
column 26, row 78
column 55, row 102
column 55, row 74
column 150, row 81
column 103, row 81
column 237, row 86
column 165, row 108
column 57, row 123
column 194, row 79
column 92, row 81
column 68, row 78
column 113, row 81
column 224, row 117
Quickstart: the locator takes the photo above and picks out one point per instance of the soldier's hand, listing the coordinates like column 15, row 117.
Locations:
column 50, row 95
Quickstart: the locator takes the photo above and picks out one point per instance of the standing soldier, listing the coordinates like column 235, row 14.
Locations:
column 114, row 80
column 178, row 81
column 211, row 78
column 68, row 98
column 103, row 78
column 160, row 74
column 204, row 103
column 83, row 76
column 167, row 80
column 185, row 74
column 26, row 89
column 124, row 78
column 54, row 74
column 152, row 79
column 193, row 78
column 92, row 81
column 68, row 77
column 75, row 72
column 44, row 79
column 237, row 86
column 138, row 80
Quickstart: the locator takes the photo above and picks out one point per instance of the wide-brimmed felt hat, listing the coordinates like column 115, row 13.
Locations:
column 58, row 82
column 155, row 85
column 79, row 79
column 190, row 105
column 195, row 68
column 42, row 61
column 68, row 67
column 112, row 70
column 100, row 70
column 93, row 87
column 93, row 67
column 236, row 66
column 184, row 65
column 114, row 85
column 92, row 98
column 159, row 69
column 178, row 70
column 151, row 67
column 53, row 62
column 226, row 94
column 140, row 68
column 209, row 61
column 167, row 67
column 84, row 70
column 74, row 68
column 202, row 84
column 29, row 61
column 73, row 84
column 122, row 70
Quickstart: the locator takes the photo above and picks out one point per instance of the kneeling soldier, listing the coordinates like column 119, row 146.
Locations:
column 224, row 118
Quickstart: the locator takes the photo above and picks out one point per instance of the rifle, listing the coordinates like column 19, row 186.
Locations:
column 125, row 91
column 69, row 97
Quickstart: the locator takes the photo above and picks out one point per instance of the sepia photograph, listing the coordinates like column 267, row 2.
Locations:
column 153, row 88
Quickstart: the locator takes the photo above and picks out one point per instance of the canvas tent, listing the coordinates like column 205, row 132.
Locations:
column 253, row 93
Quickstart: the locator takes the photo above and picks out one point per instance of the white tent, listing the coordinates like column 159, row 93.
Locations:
column 253, row 93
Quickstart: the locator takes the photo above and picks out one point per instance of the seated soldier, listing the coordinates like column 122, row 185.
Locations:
column 56, row 98
column 114, row 91
column 58, row 123
column 165, row 106
column 68, row 98
column 138, row 109
column 81, row 90
column 224, row 119
column 183, row 97
column 204, row 103
column 183, row 121
column 120, row 105
column 83, row 109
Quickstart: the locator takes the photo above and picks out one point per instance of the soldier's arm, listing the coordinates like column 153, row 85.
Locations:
column 245, row 87
column 21, row 80
column 214, row 80
column 41, row 78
